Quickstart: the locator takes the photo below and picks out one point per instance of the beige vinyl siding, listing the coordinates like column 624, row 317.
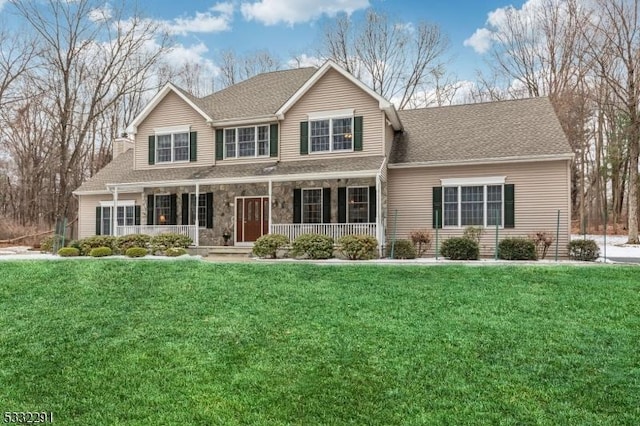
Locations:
column 389, row 133
column 174, row 111
column 87, row 210
column 541, row 189
column 333, row 92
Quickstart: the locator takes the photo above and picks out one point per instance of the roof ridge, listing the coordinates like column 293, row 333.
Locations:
column 502, row 101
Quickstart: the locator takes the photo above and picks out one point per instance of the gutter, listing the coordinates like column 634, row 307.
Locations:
column 484, row 161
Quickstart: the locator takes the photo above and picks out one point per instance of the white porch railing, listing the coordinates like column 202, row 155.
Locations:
column 334, row 230
column 188, row 230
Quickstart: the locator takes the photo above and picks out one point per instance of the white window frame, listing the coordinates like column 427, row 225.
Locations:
column 321, row 205
column 330, row 116
column 109, row 205
column 467, row 182
column 172, row 132
column 366, row 188
column 255, row 141
column 201, row 223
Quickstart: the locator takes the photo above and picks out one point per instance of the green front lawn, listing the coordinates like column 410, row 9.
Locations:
column 148, row 342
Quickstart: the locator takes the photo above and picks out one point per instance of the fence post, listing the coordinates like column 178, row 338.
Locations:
column 557, row 234
column 606, row 220
column 395, row 229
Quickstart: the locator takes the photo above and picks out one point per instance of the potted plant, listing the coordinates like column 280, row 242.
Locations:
column 226, row 236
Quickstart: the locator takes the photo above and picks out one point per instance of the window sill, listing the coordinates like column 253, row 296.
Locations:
column 335, row 151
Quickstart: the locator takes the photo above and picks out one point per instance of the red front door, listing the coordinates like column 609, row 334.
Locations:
column 252, row 218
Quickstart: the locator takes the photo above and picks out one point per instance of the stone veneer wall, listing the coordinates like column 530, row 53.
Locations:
column 224, row 198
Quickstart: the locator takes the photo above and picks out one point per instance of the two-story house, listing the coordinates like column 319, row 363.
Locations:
column 314, row 150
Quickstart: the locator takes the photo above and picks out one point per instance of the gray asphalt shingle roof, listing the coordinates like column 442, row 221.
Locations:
column 517, row 128
column 261, row 95
column 120, row 170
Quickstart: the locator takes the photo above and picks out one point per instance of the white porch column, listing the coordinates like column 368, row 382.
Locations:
column 379, row 230
column 114, row 212
column 197, row 240
column 270, row 201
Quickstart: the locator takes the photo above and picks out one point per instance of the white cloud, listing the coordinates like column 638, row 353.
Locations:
column 103, row 13
column 2, row 3
column 216, row 19
column 481, row 40
column 272, row 12
column 303, row 61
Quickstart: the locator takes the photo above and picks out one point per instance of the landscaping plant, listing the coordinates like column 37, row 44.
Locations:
column 358, row 247
column 267, row 246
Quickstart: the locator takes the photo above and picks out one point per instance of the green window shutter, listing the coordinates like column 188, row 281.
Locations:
column 152, row 149
column 185, row 209
column 297, row 205
column 173, row 207
column 342, row 204
column 326, row 205
column 304, row 137
column 436, row 211
column 357, row 133
column 150, row 209
column 209, row 201
column 273, row 140
column 98, row 219
column 373, row 203
column 219, row 144
column 509, row 206
column 193, row 146
column 137, row 215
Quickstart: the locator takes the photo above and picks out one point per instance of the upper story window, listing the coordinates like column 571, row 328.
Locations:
column 173, row 145
column 246, row 142
column 331, row 134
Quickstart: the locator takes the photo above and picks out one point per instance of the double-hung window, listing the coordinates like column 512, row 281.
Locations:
column 469, row 202
column 246, row 142
column 199, row 208
column 312, row 205
column 162, row 206
column 331, row 131
column 172, row 145
column 358, row 204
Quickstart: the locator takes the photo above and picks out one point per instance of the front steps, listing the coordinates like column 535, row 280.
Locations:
column 225, row 251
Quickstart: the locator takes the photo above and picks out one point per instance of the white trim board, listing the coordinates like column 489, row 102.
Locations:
column 488, row 180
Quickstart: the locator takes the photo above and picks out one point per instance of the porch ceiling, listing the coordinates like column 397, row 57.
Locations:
column 254, row 171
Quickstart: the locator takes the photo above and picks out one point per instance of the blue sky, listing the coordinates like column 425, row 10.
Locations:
column 292, row 27
column 287, row 31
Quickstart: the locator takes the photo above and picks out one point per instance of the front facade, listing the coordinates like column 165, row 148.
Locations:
column 300, row 151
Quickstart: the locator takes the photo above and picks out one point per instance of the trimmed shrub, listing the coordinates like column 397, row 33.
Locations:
column 88, row 244
column 76, row 244
column 517, row 249
column 404, row 249
column 47, row 243
column 68, row 252
column 473, row 233
column 313, row 246
column 126, row 242
column 421, row 240
column 100, row 252
column 358, row 247
column 175, row 251
column 162, row 242
column 586, row 250
column 460, row 248
column 267, row 246
column 136, row 252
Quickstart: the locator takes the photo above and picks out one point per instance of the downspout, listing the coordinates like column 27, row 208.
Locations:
column 115, row 211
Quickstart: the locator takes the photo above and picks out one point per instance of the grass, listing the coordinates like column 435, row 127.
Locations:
column 142, row 342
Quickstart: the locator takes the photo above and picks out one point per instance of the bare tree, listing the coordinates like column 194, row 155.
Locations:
column 615, row 48
column 235, row 68
column 398, row 60
column 92, row 57
column 17, row 52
